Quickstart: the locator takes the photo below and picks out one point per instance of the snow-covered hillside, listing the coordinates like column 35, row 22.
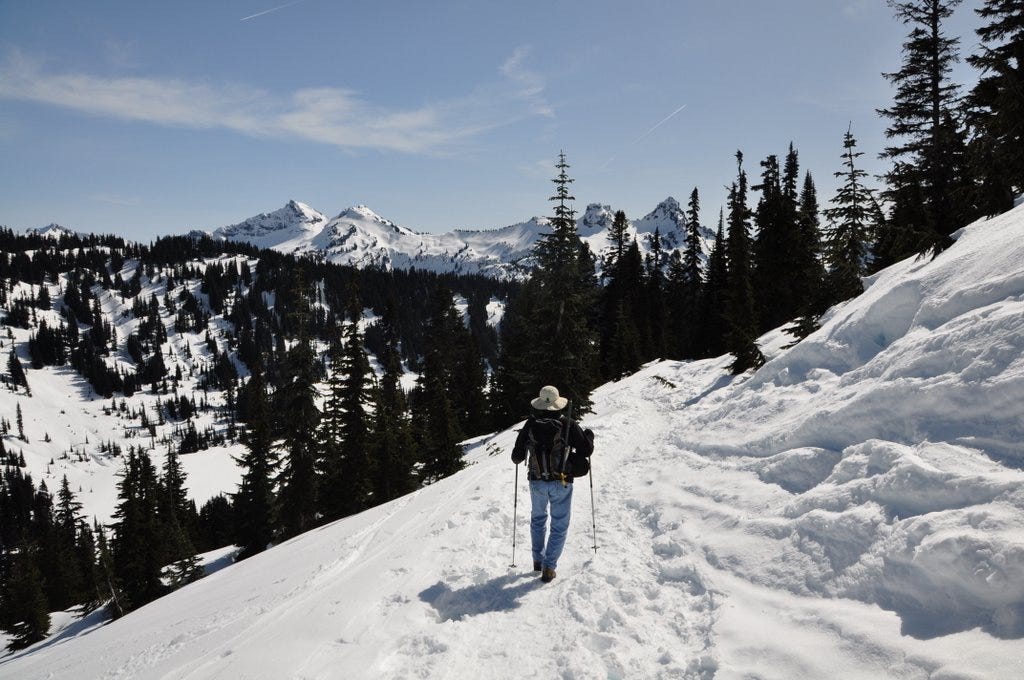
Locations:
column 853, row 509
column 360, row 237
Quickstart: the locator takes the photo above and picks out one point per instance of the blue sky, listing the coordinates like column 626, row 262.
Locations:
column 144, row 118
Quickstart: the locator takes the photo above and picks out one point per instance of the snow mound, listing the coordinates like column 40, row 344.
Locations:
column 933, row 350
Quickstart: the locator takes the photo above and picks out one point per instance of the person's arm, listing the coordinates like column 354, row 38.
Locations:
column 581, row 440
column 519, row 449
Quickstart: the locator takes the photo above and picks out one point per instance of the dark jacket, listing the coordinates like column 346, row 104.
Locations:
column 536, row 441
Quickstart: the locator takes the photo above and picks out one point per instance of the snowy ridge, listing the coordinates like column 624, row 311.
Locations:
column 52, row 230
column 296, row 222
column 362, row 238
column 854, row 509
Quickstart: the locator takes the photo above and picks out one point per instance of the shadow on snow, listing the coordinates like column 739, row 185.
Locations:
column 499, row 594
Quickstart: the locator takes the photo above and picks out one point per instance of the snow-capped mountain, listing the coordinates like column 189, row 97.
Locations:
column 850, row 510
column 52, row 230
column 296, row 222
column 360, row 237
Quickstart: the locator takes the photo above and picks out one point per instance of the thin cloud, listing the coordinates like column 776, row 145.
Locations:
column 335, row 116
column 853, row 9
column 114, row 199
column 530, row 85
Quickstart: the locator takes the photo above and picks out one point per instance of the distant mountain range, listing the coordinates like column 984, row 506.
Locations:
column 360, row 237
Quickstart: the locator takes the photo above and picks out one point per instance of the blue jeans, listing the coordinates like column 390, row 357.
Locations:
column 560, row 499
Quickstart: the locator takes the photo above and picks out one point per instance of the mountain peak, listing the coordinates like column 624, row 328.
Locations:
column 361, row 212
column 52, row 230
column 667, row 209
column 595, row 218
column 295, row 219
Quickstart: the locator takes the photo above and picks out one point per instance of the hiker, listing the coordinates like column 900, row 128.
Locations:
column 551, row 468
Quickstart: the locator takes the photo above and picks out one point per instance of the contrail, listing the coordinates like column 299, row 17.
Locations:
column 268, row 11
column 659, row 124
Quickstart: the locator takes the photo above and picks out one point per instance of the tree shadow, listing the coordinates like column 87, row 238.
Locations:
column 1004, row 623
column 499, row 594
column 722, row 381
column 96, row 618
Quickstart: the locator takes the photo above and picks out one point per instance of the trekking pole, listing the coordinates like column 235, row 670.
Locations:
column 593, row 516
column 515, row 511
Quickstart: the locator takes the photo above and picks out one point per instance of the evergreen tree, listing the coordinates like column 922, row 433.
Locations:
column 810, row 273
column 770, row 259
column 437, row 425
column 849, row 227
column 924, row 126
column 561, row 350
column 333, row 492
column 654, row 297
column 20, row 421
column 356, row 465
column 25, row 612
column 740, row 320
column 299, row 418
column 996, row 105
column 177, row 524
column 683, row 287
column 620, row 302
column 254, row 500
column 16, row 371
column 87, row 565
column 711, row 340
column 391, row 442
column 106, row 578
column 137, row 547
column 65, row 579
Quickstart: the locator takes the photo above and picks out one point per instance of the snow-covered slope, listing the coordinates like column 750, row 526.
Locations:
column 360, row 237
column 853, row 509
column 295, row 223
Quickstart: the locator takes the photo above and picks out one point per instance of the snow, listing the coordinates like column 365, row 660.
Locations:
column 853, row 509
column 360, row 237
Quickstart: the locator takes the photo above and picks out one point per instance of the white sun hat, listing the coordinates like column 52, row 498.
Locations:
column 549, row 400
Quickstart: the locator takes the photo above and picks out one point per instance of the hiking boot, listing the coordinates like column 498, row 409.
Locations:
column 536, row 566
column 548, row 575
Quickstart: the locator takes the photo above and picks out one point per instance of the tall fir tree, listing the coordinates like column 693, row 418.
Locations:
column 563, row 341
column 619, row 336
column 25, row 611
column 65, row 580
column 356, row 466
column 771, row 250
column 925, row 131
column 740, row 319
column 391, row 442
column 654, row 308
column 685, row 279
column 809, row 276
column 850, row 227
column 299, row 417
column 254, row 501
column 436, row 418
column 996, row 105
column 137, row 547
column 17, row 372
column 177, row 524
column 333, row 492
column 711, row 341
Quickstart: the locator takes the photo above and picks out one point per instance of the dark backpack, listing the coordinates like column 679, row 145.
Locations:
column 546, row 444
